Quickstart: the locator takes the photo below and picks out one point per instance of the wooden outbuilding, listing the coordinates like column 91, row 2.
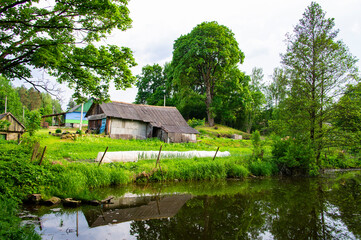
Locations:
column 11, row 128
column 133, row 121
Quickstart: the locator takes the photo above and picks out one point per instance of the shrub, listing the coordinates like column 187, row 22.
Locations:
column 257, row 146
column 10, row 224
column 33, row 120
column 196, row 122
column 236, row 171
column 58, row 130
column 292, row 156
column 262, row 168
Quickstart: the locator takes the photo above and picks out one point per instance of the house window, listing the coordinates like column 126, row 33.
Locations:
column 2, row 136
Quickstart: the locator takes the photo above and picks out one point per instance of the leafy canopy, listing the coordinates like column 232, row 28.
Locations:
column 58, row 37
column 203, row 58
column 151, row 85
column 319, row 66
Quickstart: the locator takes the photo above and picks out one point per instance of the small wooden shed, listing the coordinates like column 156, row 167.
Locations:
column 128, row 121
column 11, row 128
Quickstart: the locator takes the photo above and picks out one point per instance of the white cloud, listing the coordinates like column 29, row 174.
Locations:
column 259, row 27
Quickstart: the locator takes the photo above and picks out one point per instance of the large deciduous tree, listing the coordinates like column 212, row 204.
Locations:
column 58, row 36
column 202, row 59
column 319, row 66
column 151, row 85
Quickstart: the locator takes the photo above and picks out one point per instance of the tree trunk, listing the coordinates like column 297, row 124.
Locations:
column 209, row 103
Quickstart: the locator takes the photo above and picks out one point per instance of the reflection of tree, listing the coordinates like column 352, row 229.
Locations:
column 224, row 217
column 346, row 196
column 285, row 209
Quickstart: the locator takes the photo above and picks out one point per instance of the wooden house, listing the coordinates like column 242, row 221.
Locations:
column 72, row 117
column 128, row 121
column 10, row 127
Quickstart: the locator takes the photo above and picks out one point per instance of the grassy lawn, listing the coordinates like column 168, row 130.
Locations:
column 86, row 147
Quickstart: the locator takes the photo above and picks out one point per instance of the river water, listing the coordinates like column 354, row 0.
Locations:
column 328, row 207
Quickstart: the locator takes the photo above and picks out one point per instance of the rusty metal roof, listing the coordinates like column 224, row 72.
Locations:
column 167, row 118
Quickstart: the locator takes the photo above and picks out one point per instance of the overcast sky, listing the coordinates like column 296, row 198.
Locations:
column 259, row 26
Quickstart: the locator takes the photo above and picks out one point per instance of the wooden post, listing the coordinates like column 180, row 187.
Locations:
column 158, row 161
column 103, row 156
column 215, row 154
column 160, row 150
column 77, row 223
column 35, row 151
column 42, row 156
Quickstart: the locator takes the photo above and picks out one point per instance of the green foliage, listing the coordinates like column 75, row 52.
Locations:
column 347, row 120
column 291, row 156
column 13, row 102
column 196, row 122
column 4, row 125
column 203, row 58
column 221, row 131
column 47, row 36
column 257, row 146
column 262, row 168
column 58, row 130
column 151, row 85
column 318, row 67
column 33, row 121
column 10, row 226
column 255, row 100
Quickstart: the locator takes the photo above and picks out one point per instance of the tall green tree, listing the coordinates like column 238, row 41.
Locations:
column 202, row 59
column 151, row 85
column 257, row 98
column 8, row 92
column 276, row 91
column 58, row 36
column 319, row 67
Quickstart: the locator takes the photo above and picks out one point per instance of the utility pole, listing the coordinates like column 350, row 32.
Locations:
column 6, row 103
column 81, row 116
column 52, row 118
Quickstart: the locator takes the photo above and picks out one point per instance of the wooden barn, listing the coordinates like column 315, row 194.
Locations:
column 128, row 121
column 10, row 127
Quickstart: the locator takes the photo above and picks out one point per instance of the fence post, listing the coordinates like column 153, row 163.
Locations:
column 215, row 154
column 42, row 156
column 103, row 156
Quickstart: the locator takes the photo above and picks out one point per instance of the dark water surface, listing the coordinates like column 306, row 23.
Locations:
column 328, row 207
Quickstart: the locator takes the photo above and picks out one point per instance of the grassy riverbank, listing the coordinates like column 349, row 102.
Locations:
column 68, row 168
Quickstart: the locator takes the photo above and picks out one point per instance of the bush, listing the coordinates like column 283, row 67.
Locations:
column 262, row 168
column 257, row 146
column 10, row 224
column 196, row 122
column 292, row 156
column 32, row 123
column 58, row 130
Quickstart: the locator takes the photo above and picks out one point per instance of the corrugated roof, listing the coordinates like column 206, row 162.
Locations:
column 167, row 118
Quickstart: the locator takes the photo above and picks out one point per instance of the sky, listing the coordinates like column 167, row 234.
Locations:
column 259, row 26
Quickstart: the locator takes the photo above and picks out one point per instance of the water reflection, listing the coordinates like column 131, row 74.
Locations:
column 136, row 209
column 323, row 208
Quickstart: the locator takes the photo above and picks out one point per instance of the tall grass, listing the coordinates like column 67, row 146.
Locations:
column 87, row 147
